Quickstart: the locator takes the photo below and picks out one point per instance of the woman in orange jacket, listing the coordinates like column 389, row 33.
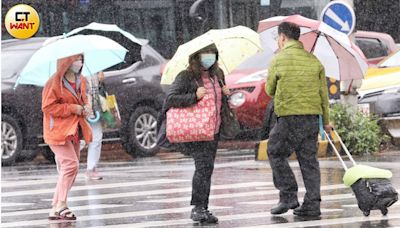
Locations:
column 64, row 106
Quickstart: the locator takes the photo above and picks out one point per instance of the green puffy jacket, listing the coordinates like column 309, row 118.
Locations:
column 296, row 80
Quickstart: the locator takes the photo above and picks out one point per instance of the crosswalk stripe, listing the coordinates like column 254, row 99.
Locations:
column 324, row 198
column 231, row 217
column 5, row 204
column 131, row 164
column 144, row 207
column 161, row 191
column 133, row 169
column 240, row 194
column 13, row 184
column 91, row 187
column 326, row 222
column 73, row 208
column 109, row 216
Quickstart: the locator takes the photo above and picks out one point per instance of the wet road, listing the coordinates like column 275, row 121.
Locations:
column 155, row 192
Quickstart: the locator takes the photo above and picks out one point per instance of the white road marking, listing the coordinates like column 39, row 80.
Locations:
column 161, row 191
column 324, row 198
column 230, row 217
column 93, row 186
column 73, row 208
column 5, row 204
column 109, row 216
column 326, row 222
column 240, row 194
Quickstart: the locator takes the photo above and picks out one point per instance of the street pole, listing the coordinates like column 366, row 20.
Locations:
column 348, row 89
column 221, row 10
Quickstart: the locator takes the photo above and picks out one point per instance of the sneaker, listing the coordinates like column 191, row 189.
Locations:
column 202, row 215
column 93, row 175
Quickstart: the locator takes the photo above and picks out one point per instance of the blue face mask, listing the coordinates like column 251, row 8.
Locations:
column 207, row 60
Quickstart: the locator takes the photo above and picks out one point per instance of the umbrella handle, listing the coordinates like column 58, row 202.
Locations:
column 95, row 119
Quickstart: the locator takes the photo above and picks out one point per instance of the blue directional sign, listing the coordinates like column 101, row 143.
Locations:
column 340, row 16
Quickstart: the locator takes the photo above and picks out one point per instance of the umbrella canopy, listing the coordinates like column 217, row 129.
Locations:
column 99, row 53
column 333, row 48
column 234, row 46
column 113, row 32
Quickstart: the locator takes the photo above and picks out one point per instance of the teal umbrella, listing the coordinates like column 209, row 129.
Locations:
column 99, row 54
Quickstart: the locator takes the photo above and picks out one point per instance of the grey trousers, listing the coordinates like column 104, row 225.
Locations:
column 297, row 134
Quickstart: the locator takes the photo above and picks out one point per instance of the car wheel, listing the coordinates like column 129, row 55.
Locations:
column 142, row 132
column 11, row 140
column 48, row 154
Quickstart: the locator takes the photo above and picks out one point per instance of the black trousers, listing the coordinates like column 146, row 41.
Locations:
column 298, row 134
column 203, row 154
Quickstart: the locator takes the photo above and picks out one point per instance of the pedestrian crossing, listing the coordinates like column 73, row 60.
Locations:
column 156, row 193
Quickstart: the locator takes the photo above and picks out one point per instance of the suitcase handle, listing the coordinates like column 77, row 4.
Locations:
column 337, row 152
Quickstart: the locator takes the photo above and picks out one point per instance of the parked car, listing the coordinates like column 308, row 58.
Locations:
column 380, row 90
column 248, row 97
column 375, row 45
column 248, row 83
column 136, row 85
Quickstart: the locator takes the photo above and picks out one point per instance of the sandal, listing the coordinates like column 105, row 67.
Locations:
column 53, row 217
column 63, row 214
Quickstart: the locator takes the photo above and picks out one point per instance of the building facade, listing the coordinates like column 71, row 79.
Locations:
column 169, row 23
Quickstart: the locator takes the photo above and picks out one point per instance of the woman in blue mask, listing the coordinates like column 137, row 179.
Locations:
column 203, row 76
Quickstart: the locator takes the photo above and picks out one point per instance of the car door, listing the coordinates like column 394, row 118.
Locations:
column 26, row 99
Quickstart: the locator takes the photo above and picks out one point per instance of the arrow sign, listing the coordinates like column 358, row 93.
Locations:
column 340, row 16
column 337, row 19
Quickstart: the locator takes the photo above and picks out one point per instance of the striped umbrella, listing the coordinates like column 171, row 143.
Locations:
column 334, row 49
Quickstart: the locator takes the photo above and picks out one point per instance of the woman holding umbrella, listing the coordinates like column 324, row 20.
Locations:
column 203, row 76
column 65, row 107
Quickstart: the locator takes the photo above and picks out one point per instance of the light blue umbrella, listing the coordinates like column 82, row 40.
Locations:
column 99, row 53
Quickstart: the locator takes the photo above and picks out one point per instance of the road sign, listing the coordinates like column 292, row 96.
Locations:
column 340, row 16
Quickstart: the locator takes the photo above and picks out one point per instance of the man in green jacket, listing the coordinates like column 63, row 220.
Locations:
column 296, row 81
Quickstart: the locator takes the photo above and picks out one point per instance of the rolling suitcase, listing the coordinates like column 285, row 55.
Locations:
column 371, row 186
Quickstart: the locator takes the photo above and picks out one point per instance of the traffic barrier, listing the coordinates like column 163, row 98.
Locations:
column 261, row 148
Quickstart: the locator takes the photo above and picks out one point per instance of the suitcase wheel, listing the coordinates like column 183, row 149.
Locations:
column 366, row 213
column 384, row 211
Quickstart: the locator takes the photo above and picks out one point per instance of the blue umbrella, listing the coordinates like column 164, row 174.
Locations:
column 99, row 53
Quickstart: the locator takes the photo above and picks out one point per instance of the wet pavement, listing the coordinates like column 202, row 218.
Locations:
column 155, row 192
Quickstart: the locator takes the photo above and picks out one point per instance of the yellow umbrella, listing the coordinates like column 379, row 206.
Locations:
column 234, row 46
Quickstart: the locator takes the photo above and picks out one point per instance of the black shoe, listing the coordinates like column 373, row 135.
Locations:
column 308, row 210
column 167, row 146
column 284, row 207
column 200, row 214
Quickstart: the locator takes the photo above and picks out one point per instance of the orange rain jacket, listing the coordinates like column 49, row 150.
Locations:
column 59, row 106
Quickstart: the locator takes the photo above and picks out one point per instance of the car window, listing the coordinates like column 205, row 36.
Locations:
column 150, row 57
column 16, row 60
column 372, row 48
column 392, row 61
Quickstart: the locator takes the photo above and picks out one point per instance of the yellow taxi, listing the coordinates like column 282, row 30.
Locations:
column 380, row 90
column 386, row 74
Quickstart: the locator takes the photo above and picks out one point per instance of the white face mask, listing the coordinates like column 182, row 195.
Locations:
column 207, row 60
column 76, row 66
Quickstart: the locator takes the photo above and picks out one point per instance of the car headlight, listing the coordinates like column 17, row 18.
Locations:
column 255, row 77
column 237, row 99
